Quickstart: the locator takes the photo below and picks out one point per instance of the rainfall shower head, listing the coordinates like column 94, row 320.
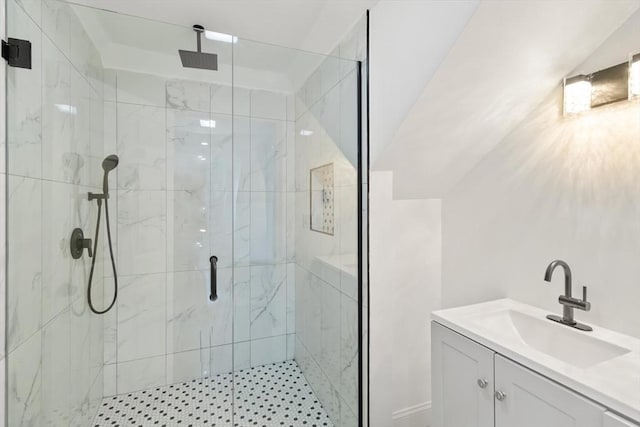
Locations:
column 108, row 164
column 199, row 59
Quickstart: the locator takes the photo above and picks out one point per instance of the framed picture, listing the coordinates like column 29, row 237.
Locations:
column 322, row 206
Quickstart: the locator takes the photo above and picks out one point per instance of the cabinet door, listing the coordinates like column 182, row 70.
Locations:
column 530, row 400
column 462, row 379
column 611, row 420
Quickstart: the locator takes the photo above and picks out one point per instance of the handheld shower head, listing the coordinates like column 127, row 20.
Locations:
column 108, row 164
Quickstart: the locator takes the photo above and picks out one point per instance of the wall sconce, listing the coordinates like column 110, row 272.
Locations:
column 618, row 83
column 634, row 76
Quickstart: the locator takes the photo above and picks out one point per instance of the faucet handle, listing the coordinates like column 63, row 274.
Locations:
column 587, row 304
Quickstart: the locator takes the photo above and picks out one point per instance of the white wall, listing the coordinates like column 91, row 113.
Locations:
column 405, row 288
column 408, row 38
column 557, row 187
column 517, row 210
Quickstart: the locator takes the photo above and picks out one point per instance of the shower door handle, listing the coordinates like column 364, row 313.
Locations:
column 214, row 278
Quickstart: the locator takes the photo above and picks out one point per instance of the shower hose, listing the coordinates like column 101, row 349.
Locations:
column 93, row 260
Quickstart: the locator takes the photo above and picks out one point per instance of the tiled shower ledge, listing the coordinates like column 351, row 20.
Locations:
column 269, row 395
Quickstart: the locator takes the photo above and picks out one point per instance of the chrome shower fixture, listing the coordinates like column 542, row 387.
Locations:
column 199, row 59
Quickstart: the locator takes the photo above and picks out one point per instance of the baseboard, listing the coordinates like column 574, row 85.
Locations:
column 413, row 416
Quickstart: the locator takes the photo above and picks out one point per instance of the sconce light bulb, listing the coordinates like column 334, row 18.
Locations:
column 577, row 95
column 634, row 77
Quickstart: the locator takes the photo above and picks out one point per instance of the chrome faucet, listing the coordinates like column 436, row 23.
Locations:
column 567, row 301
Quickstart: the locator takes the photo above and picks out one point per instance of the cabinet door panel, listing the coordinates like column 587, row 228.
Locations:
column 534, row 401
column 611, row 420
column 457, row 365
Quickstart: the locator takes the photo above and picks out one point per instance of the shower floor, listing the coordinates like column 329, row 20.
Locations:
column 269, row 395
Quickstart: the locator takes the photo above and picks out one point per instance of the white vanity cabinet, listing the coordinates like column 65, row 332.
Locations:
column 512, row 394
column 612, row 420
column 462, row 380
column 526, row 399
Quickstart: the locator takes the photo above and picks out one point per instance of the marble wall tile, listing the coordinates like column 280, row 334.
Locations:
column 241, row 154
column 67, row 126
column 56, row 23
column 141, row 232
column 291, row 107
column 242, row 304
column 193, row 321
column 221, row 227
column 188, row 150
column 268, row 227
column 222, row 152
column 268, row 105
column 24, row 402
column 241, row 356
column 242, row 228
column 302, row 302
column 187, row 365
column 97, row 151
column 56, row 373
column 329, row 357
column 348, row 141
column 241, row 101
column 3, row 364
column 141, row 147
column 268, row 350
column 349, row 351
column 328, row 117
column 141, row 374
column 110, row 380
column 110, row 78
column 188, row 95
column 3, row 275
column 80, row 357
column 268, row 155
column 291, row 157
column 33, row 8
column 188, row 234
column 141, row 317
column 67, row 207
column 24, row 297
column 290, row 226
column 348, row 417
column 291, row 298
column 268, row 300
column 313, row 318
column 222, row 99
column 24, row 100
column 291, row 346
column 221, row 359
column 110, row 336
column 110, row 136
column 141, row 89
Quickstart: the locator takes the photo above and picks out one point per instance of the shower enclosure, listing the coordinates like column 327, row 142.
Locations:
column 248, row 182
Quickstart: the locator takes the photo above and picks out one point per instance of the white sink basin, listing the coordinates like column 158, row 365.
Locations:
column 561, row 342
column 602, row 365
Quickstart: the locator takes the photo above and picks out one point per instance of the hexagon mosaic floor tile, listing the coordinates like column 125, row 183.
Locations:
column 269, row 395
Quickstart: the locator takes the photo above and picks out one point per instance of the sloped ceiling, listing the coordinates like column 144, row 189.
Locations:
column 508, row 59
column 313, row 25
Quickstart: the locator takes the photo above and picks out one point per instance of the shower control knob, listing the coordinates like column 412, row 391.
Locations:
column 77, row 244
column 482, row 383
column 500, row 395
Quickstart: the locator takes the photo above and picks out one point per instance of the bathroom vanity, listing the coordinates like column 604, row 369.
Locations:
column 503, row 364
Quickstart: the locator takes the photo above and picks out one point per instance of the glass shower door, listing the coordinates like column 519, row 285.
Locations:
column 296, row 350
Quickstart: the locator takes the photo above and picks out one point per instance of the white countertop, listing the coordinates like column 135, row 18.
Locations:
column 614, row 383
